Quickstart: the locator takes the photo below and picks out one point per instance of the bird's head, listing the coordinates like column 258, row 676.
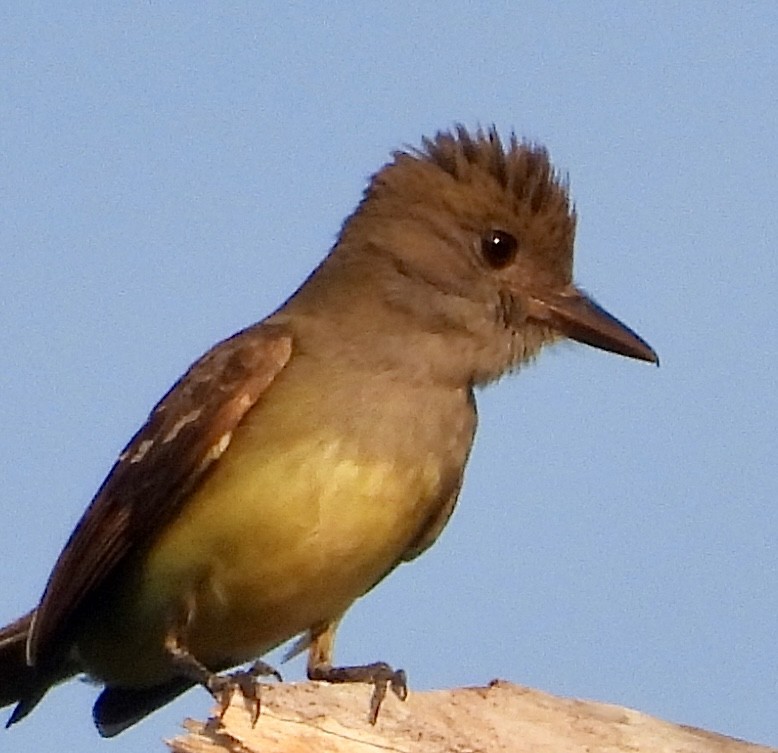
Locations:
column 472, row 239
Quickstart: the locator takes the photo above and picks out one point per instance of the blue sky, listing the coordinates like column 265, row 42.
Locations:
column 171, row 172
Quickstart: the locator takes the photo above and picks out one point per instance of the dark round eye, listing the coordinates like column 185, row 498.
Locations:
column 499, row 248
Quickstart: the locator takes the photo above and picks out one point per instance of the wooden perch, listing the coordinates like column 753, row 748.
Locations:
column 320, row 718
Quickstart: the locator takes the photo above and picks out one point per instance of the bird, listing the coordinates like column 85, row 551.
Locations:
column 298, row 462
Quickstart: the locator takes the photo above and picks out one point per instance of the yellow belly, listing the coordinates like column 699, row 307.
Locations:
column 279, row 537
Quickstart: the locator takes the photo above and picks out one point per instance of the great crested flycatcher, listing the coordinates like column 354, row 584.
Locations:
column 301, row 460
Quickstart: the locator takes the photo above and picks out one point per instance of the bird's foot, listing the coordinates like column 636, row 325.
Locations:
column 379, row 674
column 223, row 687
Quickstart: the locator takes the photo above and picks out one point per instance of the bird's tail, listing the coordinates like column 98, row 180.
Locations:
column 118, row 708
column 17, row 679
column 19, row 682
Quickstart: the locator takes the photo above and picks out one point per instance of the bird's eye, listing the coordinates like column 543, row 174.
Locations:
column 499, row 248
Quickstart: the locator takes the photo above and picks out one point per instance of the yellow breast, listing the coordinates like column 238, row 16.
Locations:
column 317, row 496
column 278, row 538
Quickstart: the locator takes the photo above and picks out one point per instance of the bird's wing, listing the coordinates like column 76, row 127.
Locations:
column 155, row 474
column 434, row 525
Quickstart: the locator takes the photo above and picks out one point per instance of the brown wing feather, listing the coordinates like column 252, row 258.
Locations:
column 185, row 433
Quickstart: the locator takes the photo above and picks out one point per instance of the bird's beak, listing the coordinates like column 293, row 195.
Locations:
column 571, row 312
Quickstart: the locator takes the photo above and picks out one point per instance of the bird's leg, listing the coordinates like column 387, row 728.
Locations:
column 188, row 666
column 221, row 687
column 379, row 674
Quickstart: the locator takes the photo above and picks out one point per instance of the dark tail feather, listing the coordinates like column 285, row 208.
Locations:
column 17, row 680
column 118, row 708
column 20, row 683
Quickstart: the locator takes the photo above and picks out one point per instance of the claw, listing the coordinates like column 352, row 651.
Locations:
column 223, row 687
column 385, row 677
column 380, row 675
column 399, row 684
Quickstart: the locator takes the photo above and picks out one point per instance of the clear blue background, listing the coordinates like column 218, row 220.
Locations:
column 169, row 172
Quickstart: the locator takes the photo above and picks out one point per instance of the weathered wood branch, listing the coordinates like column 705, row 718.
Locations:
column 320, row 718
